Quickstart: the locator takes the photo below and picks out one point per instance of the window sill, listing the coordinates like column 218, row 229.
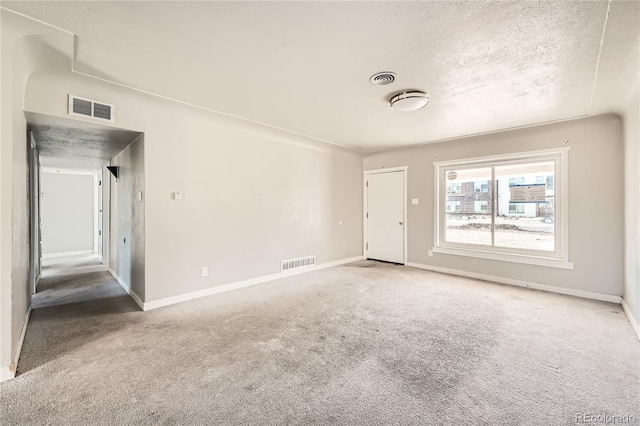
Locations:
column 504, row 257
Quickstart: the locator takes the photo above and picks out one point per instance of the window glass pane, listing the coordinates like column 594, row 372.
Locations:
column 468, row 201
column 524, row 217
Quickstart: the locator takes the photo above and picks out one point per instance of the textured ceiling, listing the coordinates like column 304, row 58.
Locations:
column 73, row 144
column 305, row 66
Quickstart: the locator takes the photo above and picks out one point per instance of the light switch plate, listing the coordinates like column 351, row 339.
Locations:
column 139, row 195
column 177, row 196
column 415, row 201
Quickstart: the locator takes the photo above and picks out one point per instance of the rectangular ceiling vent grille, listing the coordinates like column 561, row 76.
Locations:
column 301, row 262
column 88, row 108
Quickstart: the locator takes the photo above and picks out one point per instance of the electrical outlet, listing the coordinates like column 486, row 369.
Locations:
column 205, row 271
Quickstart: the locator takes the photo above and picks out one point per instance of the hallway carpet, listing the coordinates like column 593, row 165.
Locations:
column 361, row 344
column 73, row 279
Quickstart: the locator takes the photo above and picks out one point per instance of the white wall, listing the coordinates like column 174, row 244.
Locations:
column 67, row 213
column 23, row 52
column 253, row 195
column 596, row 200
column 617, row 90
column 126, row 230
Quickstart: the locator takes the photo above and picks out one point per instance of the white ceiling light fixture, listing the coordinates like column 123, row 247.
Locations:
column 409, row 101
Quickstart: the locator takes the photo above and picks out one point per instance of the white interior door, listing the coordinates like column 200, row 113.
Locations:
column 385, row 216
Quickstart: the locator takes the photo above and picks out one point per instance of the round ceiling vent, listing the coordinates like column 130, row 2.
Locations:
column 383, row 78
column 409, row 101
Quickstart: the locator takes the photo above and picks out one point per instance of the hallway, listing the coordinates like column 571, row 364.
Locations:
column 71, row 289
column 74, row 279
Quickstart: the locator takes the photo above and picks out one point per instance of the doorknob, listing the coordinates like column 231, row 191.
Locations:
column 400, row 223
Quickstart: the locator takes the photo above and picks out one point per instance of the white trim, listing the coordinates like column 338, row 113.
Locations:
column 365, row 201
column 365, row 188
column 8, row 372
column 241, row 284
column 564, row 157
column 504, row 157
column 504, row 257
column 632, row 320
column 128, row 289
column 386, row 170
column 96, row 214
column 66, row 254
column 16, row 356
column 519, row 283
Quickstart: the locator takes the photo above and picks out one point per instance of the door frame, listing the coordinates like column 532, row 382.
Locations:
column 365, row 179
column 97, row 207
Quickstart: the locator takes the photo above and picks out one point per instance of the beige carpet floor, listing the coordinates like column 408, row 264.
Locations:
column 361, row 344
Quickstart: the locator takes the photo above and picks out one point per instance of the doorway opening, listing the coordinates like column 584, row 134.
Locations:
column 86, row 231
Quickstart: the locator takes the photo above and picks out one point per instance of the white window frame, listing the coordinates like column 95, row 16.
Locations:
column 559, row 258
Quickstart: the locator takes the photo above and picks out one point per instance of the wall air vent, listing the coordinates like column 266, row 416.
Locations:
column 93, row 109
column 298, row 263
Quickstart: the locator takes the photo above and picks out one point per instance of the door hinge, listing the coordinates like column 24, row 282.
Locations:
column 367, row 184
column 367, row 246
column 367, row 215
column 99, row 183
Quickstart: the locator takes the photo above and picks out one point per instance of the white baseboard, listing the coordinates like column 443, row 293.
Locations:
column 520, row 283
column 66, row 254
column 127, row 288
column 16, row 356
column 632, row 320
column 8, row 372
column 241, row 284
